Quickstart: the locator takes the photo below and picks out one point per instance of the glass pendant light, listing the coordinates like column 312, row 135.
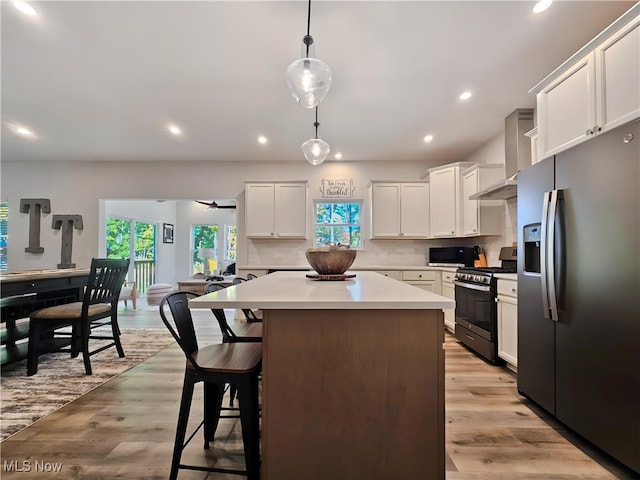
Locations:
column 315, row 149
column 308, row 78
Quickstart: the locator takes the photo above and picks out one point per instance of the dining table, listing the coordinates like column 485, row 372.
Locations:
column 353, row 375
column 22, row 292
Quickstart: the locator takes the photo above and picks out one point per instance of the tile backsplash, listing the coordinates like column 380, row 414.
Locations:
column 290, row 252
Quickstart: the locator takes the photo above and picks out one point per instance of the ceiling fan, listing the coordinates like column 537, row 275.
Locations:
column 212, row 205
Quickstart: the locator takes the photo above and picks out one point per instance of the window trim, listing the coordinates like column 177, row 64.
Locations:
column 360, row 225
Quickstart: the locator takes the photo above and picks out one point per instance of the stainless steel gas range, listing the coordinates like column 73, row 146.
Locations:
column 476, row 311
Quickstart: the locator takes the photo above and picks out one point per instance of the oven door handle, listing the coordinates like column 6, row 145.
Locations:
column 472, row 286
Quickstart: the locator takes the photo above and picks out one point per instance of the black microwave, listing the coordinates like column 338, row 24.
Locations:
column 452, row 256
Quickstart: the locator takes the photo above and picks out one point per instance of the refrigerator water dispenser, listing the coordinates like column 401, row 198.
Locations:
column 531, row 236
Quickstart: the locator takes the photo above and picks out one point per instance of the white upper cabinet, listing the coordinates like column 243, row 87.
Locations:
column 446, row 200
column 595, row 92
column 618, row 74
column 400, row 209
column 481, row 217
column 276, row 210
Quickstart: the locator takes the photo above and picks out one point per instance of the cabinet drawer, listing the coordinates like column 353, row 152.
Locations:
column 419, row 275
column 448, row 277
column 395, row 274
column 508, row 287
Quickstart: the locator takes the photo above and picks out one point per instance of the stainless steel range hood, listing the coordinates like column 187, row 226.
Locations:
column 502, row 190
column 517, row 155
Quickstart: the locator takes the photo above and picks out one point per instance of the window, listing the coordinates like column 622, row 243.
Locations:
column 338, row 222
column 4, row 213
column 230, row 242
column 128, row 238
column 204, row 253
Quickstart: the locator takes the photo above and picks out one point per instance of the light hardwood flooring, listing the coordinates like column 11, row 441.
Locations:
column 125, row 428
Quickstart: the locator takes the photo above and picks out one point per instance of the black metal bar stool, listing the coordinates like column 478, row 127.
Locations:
column 215, row 365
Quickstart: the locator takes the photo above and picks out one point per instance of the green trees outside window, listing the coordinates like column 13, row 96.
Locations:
column 204, row 236
column 119, row 239
column 338, row 222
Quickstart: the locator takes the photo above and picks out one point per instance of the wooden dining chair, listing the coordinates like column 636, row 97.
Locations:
column 236, row 363
column 99, row 307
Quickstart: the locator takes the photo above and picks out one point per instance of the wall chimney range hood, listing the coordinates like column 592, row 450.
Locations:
column 517, row 155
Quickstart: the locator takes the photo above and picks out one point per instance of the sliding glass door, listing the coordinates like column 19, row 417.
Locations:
column 136, row 240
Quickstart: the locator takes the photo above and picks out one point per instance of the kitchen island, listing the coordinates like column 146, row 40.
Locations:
column 353, row 375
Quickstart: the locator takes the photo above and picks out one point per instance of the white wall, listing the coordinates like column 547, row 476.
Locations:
column 82, row 187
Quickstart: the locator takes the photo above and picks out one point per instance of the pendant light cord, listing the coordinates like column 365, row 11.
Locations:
column 316, row 124
column 308, row 39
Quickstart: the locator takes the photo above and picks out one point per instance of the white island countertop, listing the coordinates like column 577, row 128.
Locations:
column 293, row 290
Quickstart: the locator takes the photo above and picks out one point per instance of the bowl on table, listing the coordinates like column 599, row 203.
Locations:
column 331, row 260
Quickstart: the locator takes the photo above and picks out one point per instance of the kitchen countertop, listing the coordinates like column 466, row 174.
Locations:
column 507, row 276
column 292, row 290
column 354, row 268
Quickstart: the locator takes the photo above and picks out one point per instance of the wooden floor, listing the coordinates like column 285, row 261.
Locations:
column 125, row 428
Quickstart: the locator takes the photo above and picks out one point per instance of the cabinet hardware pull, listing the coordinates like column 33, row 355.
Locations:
column 589, row 131
column 469, row 336
column 597, row 128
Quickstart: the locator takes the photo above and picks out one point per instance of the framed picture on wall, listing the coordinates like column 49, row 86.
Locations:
column 167, row 233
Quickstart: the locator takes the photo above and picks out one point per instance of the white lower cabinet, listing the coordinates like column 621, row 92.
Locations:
column 449, row 291
column 507, row 303
column 425, row 279
column 395, row 274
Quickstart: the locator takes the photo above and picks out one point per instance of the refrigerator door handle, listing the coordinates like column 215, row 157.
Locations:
column 543, row 254
column 551, row 255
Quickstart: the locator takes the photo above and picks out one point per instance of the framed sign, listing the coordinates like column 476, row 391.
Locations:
column 167, row 233
column 337, row 188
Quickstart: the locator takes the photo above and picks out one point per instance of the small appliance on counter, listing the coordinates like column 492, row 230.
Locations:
column 451, row 256
column 481, row 258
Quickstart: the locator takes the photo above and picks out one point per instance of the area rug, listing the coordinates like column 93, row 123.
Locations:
column 61, row 379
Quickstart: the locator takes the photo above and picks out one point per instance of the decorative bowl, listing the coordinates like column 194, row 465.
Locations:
column 333, row 260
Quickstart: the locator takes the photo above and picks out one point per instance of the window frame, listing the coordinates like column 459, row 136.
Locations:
column 193, row 249
column 358, row 201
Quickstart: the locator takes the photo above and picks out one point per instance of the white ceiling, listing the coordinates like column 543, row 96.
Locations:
column 100, row 80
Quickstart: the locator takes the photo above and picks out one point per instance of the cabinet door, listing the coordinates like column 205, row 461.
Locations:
column 566, row 108
column 618, row 70
column 508, row 329
column 442, row 202
column 414, row 210
column 291, row 210
column 385, row 210
column 470, row 183
column 448, row 290
column 259, row 209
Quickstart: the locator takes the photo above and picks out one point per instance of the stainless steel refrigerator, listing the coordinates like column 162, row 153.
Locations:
column 579, row 289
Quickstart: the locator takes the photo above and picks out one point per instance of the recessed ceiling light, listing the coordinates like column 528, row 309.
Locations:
column 24, row 7
column 175, row 130
column 338, row 156
column 24, row 131
column 465, row 95
column 428, row 138
column 262, row 140
column 21, row 130
column 541, row 6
